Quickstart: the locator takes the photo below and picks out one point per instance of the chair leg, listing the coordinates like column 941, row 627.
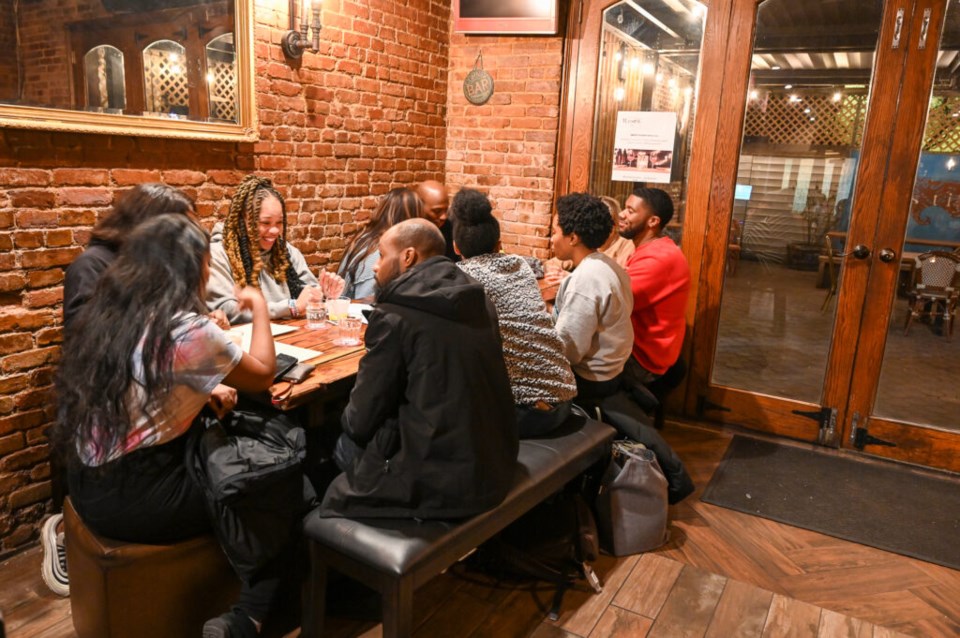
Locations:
column 314, row 596
column 911, row 313
column 398, row 609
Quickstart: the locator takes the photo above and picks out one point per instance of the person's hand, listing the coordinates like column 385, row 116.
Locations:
column 307, row 295
column 222, row 400
column 332, row 284
column 219, row 317
column 248, row 297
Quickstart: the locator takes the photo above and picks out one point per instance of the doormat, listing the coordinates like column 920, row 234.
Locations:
column 884, row 506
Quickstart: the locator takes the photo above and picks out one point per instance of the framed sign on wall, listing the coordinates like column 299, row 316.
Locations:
column 505, row 16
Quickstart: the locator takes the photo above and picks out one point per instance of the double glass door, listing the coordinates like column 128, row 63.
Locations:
column 846, row 202
column 815, row 166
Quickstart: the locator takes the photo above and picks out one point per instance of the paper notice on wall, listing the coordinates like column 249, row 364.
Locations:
column 643, row 146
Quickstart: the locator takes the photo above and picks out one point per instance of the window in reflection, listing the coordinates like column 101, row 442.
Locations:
column 103, row 76
column 166, row 91
column 221, row 78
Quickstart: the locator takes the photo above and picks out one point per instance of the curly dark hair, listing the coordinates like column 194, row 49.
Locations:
column 659, row 200
column 135, row 206
column 158, row 274
column 585, row 215
column 475, row 230
column 241, row 232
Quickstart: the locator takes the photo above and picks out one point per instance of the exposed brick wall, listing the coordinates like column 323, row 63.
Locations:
column 507, row 147
column 336, row 131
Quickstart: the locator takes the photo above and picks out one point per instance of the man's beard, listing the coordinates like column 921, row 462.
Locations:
column 630, row 233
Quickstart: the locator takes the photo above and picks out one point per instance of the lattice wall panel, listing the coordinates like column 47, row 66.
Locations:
column 165, row 82
column 223, row 92
column 815, row 120
column 942, row 134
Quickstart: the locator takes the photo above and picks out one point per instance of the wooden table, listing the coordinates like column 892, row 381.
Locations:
column 336, row 363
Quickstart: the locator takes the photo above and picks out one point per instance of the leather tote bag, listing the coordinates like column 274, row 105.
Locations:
column 632, row 504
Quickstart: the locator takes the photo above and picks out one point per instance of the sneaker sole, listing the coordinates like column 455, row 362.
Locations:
column 48, row 538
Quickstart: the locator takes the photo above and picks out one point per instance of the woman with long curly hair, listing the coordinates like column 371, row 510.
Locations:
column 250, row 249
column 141, row 363
column 356, row 268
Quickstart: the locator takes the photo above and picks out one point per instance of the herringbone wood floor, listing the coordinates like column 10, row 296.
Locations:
column 722, row 574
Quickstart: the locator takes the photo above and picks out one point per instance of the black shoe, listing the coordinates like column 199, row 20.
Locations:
column 230, row 625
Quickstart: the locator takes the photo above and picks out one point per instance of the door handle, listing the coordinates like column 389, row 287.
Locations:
column 897, row 28
column 860, row 251
column 887, row 255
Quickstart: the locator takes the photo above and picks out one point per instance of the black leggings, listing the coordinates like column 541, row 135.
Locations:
column 147, row 496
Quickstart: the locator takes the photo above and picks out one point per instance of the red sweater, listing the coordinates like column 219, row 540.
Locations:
column 660, row 279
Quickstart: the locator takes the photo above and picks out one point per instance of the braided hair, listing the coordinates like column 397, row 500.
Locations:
column 241, row 231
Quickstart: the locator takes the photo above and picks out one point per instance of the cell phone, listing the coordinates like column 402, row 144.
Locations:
column 298, row 373
column 284, row 363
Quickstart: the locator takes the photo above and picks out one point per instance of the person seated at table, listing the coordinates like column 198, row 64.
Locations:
column 436, row 208
column 540, row 375
column 593, row 313
column 429, row 430
column 134, row 375
column 250, row 249
column 356, row 268
column 615, row 247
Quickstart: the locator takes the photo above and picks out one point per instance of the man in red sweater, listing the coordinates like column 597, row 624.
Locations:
column 660, row 279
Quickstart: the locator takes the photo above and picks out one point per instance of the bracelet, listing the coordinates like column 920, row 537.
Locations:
column 293, row 308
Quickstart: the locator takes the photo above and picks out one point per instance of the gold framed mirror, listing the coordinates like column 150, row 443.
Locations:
column 158, row 68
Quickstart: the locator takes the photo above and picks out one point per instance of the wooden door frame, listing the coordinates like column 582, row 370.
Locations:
column 574, row 147
column 772, row 414
column 936, row 448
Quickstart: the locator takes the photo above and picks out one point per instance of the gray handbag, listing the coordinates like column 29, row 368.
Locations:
column 632, row 503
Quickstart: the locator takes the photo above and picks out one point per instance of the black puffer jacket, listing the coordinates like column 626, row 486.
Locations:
column 432, row 404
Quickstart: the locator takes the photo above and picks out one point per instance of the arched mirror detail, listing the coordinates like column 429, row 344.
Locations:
column 166, row 91
column 104, row 79
column 221, row 78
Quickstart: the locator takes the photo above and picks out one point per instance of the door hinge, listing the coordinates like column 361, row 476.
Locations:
column 704, row 404
column 827, row 418
column 860, row 438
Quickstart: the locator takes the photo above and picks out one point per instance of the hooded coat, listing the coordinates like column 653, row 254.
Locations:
column 432, row 407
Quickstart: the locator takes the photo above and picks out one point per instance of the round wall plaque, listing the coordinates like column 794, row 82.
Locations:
column 478, row 86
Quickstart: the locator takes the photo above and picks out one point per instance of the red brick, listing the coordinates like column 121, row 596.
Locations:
column 184, row 178
column 47, row 258
column 11, row 281
column 32, row 199
column 24, row 458
column 23, row 177
column 10, row 343
column 30, row 494
column 22, row 319
column 80, row 177
column 31, row 359
column 49, row 336
column 43, row 278
column 14, row 383
column 84, row 197
column 132, row 177
column 6, row 219
column 11, row 443
column 35, row 218
column 55, row 238
column 45, row 297
column 8, row 483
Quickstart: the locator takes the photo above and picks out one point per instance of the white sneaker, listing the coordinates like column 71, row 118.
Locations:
column 54, row 567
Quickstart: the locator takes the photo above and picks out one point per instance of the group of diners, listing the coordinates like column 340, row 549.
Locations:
column 463, row 357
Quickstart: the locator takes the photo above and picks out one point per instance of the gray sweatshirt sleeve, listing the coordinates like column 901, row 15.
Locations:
column 220, row 286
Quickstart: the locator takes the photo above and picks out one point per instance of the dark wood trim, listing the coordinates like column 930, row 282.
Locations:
column 933, row 448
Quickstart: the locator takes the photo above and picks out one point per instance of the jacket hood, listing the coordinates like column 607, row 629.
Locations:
column 216, row 234
column 437, row 287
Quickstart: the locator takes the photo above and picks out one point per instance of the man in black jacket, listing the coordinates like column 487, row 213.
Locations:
column 429, row 431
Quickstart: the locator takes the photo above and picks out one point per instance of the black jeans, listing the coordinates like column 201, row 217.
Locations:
column 532, row 422
column 147, row 496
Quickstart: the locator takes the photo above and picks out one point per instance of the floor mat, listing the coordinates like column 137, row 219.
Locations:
column 876, row 504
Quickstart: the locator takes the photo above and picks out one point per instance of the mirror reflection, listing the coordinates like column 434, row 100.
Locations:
column 170, row 59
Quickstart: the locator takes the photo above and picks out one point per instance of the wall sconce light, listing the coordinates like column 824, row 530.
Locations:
column 295, row 42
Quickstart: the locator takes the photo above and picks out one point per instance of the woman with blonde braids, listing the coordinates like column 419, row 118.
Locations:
column 250, row 249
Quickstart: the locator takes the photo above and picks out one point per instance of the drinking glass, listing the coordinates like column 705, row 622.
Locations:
column 349, row 334
column 337, row 308
column 316, row 315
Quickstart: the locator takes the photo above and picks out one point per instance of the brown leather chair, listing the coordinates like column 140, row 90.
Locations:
column 120, row 589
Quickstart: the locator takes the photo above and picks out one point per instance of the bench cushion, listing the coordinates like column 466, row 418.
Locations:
column 404, row 546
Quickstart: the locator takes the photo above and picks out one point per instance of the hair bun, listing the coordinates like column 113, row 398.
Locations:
column 472, row 208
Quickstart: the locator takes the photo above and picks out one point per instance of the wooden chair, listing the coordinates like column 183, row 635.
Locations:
column 831, row 261
column 935, row 293
column 733, row 245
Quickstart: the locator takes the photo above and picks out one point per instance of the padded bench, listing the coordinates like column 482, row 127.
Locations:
column 395, row 557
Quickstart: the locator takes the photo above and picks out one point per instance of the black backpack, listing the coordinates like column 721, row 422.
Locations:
column 553, row 543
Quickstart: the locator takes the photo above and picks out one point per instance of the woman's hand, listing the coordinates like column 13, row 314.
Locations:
column 219, row 317
column 308, row 295
column 248, row 297
column 222, row 400
column 332, row 284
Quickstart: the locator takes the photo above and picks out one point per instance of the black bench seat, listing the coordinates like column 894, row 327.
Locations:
column 395, row 557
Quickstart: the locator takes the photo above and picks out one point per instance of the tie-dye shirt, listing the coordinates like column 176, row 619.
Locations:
column 202, row 357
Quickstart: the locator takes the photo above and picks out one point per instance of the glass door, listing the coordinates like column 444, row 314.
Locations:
column 910, row 412
column 775, row 342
